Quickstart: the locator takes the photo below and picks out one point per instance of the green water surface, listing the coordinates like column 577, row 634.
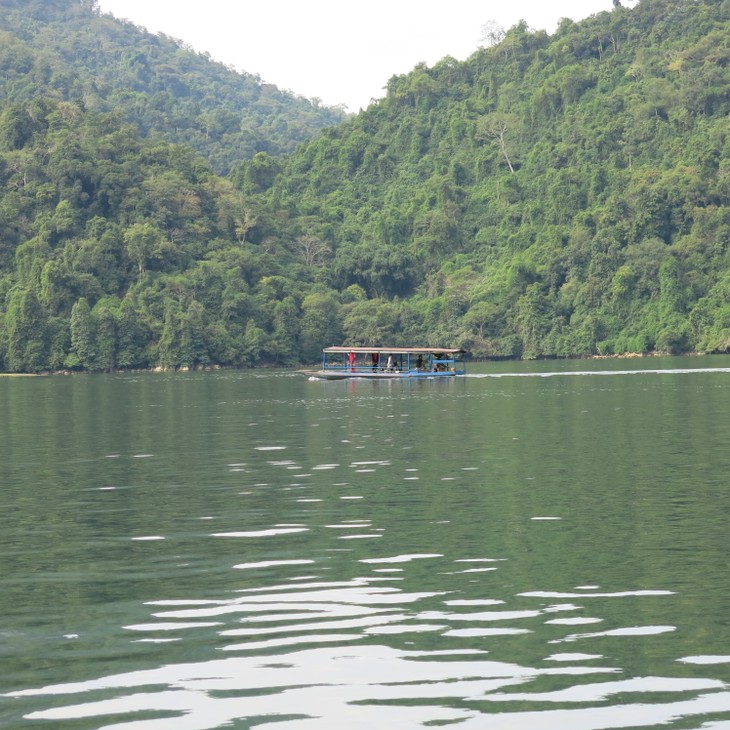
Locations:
column 536, row 545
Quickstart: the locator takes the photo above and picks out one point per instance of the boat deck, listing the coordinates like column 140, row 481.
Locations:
column 387, row 363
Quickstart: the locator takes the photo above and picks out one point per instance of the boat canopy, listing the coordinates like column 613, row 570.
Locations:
column 392, row 350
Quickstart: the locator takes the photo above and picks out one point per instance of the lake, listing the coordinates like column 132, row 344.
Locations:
column 536, row 545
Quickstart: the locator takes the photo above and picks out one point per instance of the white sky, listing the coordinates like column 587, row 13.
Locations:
column 340, row 51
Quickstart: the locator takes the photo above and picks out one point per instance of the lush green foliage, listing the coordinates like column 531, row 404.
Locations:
column 118, row 251
column 551, row 196
column 68, row 50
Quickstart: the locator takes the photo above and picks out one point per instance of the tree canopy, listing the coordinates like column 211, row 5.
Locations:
column 69, row 50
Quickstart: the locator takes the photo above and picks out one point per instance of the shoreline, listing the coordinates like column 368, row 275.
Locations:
column 207, row 368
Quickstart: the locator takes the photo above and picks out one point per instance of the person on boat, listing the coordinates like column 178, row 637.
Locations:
column 351, row 360
column 376, row 360
column 390, row 365
column 419, row 363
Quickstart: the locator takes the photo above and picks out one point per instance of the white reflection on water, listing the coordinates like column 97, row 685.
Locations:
column 272, row 563
column 483, row 616
column 575, row 657
column 598, row 692
column 305, row 657
column 631, row 631
column 171, row 626
column 705, row 659
column 333, row 654
column 319, row 683
column 617, row 594
column 574, row 621
column 486, row 632
column 334, row 687
column 402, row 558
column 262, row 533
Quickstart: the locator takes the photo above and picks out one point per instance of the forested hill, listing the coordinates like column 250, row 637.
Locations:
column 551, row 196
column 69, row 50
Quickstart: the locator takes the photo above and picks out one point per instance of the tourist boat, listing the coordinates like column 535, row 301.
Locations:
column 375, row 363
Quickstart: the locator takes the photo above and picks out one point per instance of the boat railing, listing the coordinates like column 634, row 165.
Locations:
column 347, row 368
column 437, row 367
column 444, row 364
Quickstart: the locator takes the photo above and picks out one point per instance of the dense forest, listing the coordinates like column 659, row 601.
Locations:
column 67, row 50
column 552, row 196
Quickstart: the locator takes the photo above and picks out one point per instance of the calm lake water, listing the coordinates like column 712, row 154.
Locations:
column 536, row 545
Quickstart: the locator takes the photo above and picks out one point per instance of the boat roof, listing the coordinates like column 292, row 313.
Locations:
column 394, row 350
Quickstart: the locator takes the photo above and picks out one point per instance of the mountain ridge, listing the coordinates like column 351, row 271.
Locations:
column 72, row 50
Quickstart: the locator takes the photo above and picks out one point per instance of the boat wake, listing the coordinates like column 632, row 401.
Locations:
column 675, row 371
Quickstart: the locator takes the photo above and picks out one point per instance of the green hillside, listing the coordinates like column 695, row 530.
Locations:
column 552, row 196
column 68, row 50
column 563, row 195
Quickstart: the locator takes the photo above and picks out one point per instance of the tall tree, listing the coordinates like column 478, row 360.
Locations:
column 26, row 332
column 83, row 335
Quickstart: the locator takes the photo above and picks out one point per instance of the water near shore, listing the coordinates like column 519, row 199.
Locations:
column 537, row 545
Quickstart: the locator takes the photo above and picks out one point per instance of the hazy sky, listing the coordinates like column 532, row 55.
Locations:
column 340, row 51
